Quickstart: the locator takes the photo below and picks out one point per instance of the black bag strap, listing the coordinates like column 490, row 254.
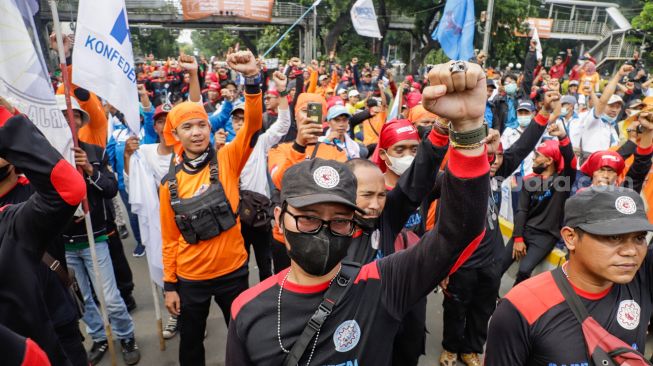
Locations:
column 332, row 298
column 573, row 300
column 56, row 267
column 172, row 176
column 317, row 146
column 369, row 121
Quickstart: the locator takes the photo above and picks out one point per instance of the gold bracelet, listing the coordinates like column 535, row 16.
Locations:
column 465, row 147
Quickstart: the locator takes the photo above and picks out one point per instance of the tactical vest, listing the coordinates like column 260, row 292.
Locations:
column 205, row 216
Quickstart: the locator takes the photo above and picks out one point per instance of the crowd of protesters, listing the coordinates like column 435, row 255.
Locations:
column 359, row 192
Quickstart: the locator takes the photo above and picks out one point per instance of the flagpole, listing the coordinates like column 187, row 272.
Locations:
column 99, row 289
column 315, row 4
column 157, row 313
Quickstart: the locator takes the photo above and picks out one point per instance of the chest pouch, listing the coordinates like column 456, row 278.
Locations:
column 205, row 216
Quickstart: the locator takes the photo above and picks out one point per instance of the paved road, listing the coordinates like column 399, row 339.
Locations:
column 217, row 333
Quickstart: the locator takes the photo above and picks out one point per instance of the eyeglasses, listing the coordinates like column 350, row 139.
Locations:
column 312, row 225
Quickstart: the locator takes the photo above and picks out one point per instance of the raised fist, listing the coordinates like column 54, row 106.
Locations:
column 227, row 94
column 188, row 63
column 625, row 69
column 457, row 96
column 280, row 80
column 243, row 62
column 551, row 97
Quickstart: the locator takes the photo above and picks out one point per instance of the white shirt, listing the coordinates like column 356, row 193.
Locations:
column 254, row 176
column 158, row 164
column 147, row 167
column 596, row 135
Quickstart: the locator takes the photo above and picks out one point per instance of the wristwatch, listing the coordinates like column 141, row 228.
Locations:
column 284, row 93
column 469, row 139
column 253, row 80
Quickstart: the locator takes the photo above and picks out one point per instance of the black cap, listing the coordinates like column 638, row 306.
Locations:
column 490, row 83
column 607, row 210
column 319, row 181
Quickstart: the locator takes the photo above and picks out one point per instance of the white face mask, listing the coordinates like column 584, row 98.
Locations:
column 400, row 165
column 563, row 111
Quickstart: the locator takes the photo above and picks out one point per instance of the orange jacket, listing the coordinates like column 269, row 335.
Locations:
column 283, row 156
column 225, row 253
column 372, row 128
column 94, row 132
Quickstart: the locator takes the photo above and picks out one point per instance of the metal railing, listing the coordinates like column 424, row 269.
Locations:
column 173, row 7
column 581, row 27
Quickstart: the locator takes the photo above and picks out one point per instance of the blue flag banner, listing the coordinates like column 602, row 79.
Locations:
column 455, row 32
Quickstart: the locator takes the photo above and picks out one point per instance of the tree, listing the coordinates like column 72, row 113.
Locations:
column 213, row 42
column 159, row 42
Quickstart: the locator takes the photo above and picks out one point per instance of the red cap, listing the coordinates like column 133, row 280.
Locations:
column 214, row 86
column 273, row 92
column 551, row 149
column 391, row 133
column 334, row 100
column 602, row 159
column 161, row 110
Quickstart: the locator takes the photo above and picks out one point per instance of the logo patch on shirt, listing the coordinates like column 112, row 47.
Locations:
column 326, row 177
column 201, row 190
column 346, row 336
column 625, row 205
column 628, row 314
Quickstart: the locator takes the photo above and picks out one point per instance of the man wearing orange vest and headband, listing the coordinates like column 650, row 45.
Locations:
column 541, row 203
column 204, row 255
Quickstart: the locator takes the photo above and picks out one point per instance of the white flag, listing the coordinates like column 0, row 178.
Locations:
column 103, row 60
column 24, row 80
column 363, row 17
column 538, row 45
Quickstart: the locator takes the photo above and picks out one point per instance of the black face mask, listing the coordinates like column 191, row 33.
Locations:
column 424, row 131
column 367, row 224
column 317, row 254
column 539, row 169
column 5, row 171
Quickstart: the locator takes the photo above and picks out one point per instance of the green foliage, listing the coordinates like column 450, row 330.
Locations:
column 287, row 48
column 644, row 20
column 159, row 42
column 435, row 57
column 213, row 42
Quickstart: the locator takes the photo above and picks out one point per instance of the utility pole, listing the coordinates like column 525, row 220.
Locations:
column 488, row 25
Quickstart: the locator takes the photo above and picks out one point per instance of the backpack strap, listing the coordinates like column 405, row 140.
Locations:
column 332, row 298
column 172, row 177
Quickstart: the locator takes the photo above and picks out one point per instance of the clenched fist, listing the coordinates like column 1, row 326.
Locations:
column 243, row 62
column 459, row 96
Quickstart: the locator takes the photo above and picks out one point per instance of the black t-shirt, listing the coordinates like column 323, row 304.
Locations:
column 362, row 327
column 534, row 326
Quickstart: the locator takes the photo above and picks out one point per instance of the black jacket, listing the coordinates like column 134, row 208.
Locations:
column 27, row 228
column 101, row 185
column 401, row 203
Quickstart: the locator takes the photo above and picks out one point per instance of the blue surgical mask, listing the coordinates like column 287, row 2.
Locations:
column 607, row 119
column 524, row 120
column 511, row 88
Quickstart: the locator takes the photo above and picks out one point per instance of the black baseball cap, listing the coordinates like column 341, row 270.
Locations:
column 319, row 181
column 607, row 210
column 526, row 104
